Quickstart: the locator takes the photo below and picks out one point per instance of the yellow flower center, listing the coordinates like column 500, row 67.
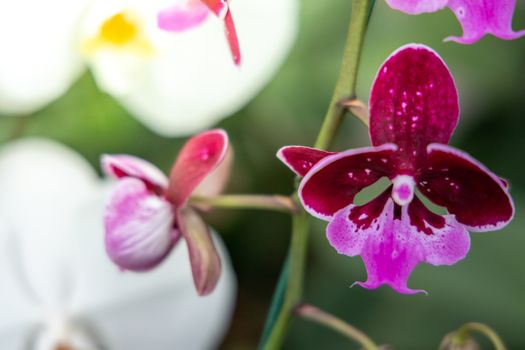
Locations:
column 119, row 30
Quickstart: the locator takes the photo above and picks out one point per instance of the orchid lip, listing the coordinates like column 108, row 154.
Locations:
column 403, row 189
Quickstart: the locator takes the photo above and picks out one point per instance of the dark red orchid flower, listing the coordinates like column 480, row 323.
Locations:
column 187, row 14
column 413, row 113
column 148, row 213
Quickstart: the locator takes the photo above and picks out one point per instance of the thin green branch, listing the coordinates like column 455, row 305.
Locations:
column 271, row 202
column 344, row 91
column 463, row 335
column 346, row 83
column 317, row 315
column 294, row 285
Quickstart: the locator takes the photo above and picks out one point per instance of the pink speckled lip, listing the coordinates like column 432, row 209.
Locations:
column 477, row 17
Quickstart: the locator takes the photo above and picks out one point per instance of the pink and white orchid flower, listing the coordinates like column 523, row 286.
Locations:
column 477, row 17
column 60, row 291
column 413, row 113
column 148, row 213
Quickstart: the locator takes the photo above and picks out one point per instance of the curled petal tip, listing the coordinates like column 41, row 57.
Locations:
column 121, row 165
column 397, row 288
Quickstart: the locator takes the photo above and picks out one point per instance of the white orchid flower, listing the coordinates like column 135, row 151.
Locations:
column 39, row 59
column 166, row 61
column 58, row 288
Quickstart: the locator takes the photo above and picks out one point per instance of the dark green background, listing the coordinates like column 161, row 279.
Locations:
column 488, row 286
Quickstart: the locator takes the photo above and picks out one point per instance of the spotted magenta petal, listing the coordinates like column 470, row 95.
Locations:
column 413, row 113
column 198, row 158
column 458, row 182
column 190, row 13
column 139, row 226
column 335, row 180
column 391, row 248
column 477, row 17
column 413, row 102
column 301, row 159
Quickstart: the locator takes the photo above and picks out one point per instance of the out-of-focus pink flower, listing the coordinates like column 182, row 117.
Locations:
column 477, row 17
column 413, row 113
column 59, row 289
column 187, row 14
column 148, row 213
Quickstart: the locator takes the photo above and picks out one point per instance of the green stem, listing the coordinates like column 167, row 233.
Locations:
column 468, row 328
column 294, row 286
column 272, row 202
column 344, row 91
column 346, row 82
column 315, row 314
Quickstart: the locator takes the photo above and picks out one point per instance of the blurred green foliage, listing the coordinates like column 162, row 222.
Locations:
column 488, row 286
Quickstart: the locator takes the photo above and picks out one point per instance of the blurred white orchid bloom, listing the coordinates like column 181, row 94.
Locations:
column 58, row 288
column 39, row 59
column 175, row 82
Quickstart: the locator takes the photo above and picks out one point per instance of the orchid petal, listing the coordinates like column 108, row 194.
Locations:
column 39, row 60
column 413, row 102
column 335, row 180
column 205, row 260
column 455, row 180
column 481, row 17
column 42, row 185
column 198, row 158
column 301, row 159
column 122, row 165
column 214, row 183
column 416, row 7
column 183, row 15
column 221, row 9
column 139, row 226
column 392, row 247
column 186, row 82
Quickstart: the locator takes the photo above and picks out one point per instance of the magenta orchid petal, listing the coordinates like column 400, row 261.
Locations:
column 204, row 258
column 335, row 180
column 218, row 7
column 416, row 7
column 413, row 102
column 301, row 159
column 231, row 36
column 120, row 165
column 138, row 225
column 198, row 158
column 221, row 9
column 216, row 181
column 391, row 247
column 455, row 180
column 481, row 17
column 183, row 16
